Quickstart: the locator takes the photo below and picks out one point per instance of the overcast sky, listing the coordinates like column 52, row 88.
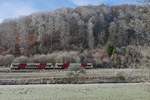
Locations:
column 16, row 8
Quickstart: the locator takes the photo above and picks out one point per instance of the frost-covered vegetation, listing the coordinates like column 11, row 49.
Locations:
column 76, row 92
column 107, row 36
column 129, row 57
column 86, row 27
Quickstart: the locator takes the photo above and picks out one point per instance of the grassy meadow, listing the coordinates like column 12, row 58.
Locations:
column 134, row 91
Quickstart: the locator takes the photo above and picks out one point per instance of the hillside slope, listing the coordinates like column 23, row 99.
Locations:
column 85, row 27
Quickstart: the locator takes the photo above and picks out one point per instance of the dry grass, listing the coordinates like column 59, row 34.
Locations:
column 129, row 74
column 76, row 92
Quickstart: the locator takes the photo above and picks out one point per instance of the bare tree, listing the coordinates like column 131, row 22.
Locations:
column 90, row 34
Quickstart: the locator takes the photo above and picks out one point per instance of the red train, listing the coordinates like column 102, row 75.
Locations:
column 19, row 66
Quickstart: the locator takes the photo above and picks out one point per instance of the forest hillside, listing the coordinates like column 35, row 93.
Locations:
column 79, row 29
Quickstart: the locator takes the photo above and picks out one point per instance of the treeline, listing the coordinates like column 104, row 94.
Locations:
column 86, row 27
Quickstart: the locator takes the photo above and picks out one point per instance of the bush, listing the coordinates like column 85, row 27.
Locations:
column 7, row 60
column 110, row 49
column 40, row 58
column 101, row 59
column 67, row 57
column 74, row 72
column 134, row 56
column 75, row 58
column 128, row 57
column 1, row 60
column 21, row 59
column 121, row 77
column 87, row 57
column 52, row 58
column 59, row 57
column 72, row 57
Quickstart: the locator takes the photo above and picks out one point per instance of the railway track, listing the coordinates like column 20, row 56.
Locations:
column 44, row 76
column 89, row 72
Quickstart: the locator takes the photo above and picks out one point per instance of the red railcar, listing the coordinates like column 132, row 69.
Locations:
column 46, row 66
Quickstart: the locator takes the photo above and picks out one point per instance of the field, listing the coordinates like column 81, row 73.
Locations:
column 94, row 76
column 131, row 91
column 107, row 91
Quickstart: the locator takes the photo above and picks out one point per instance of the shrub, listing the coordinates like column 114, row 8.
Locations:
column 7, row 60
column 67, row 57
column 121, row 77
column 74, row 57
column 21, row 59
column 52, row 58
column 128, row 57
column 116, row 61
column 87, row 57
column 1, row 60
column 101, row 59
column 74, row 72
column 40, row 58
column 59, row 57
column 110, row 49
column 133, row 56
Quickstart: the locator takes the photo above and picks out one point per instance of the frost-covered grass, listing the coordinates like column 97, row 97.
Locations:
column 76, row 92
